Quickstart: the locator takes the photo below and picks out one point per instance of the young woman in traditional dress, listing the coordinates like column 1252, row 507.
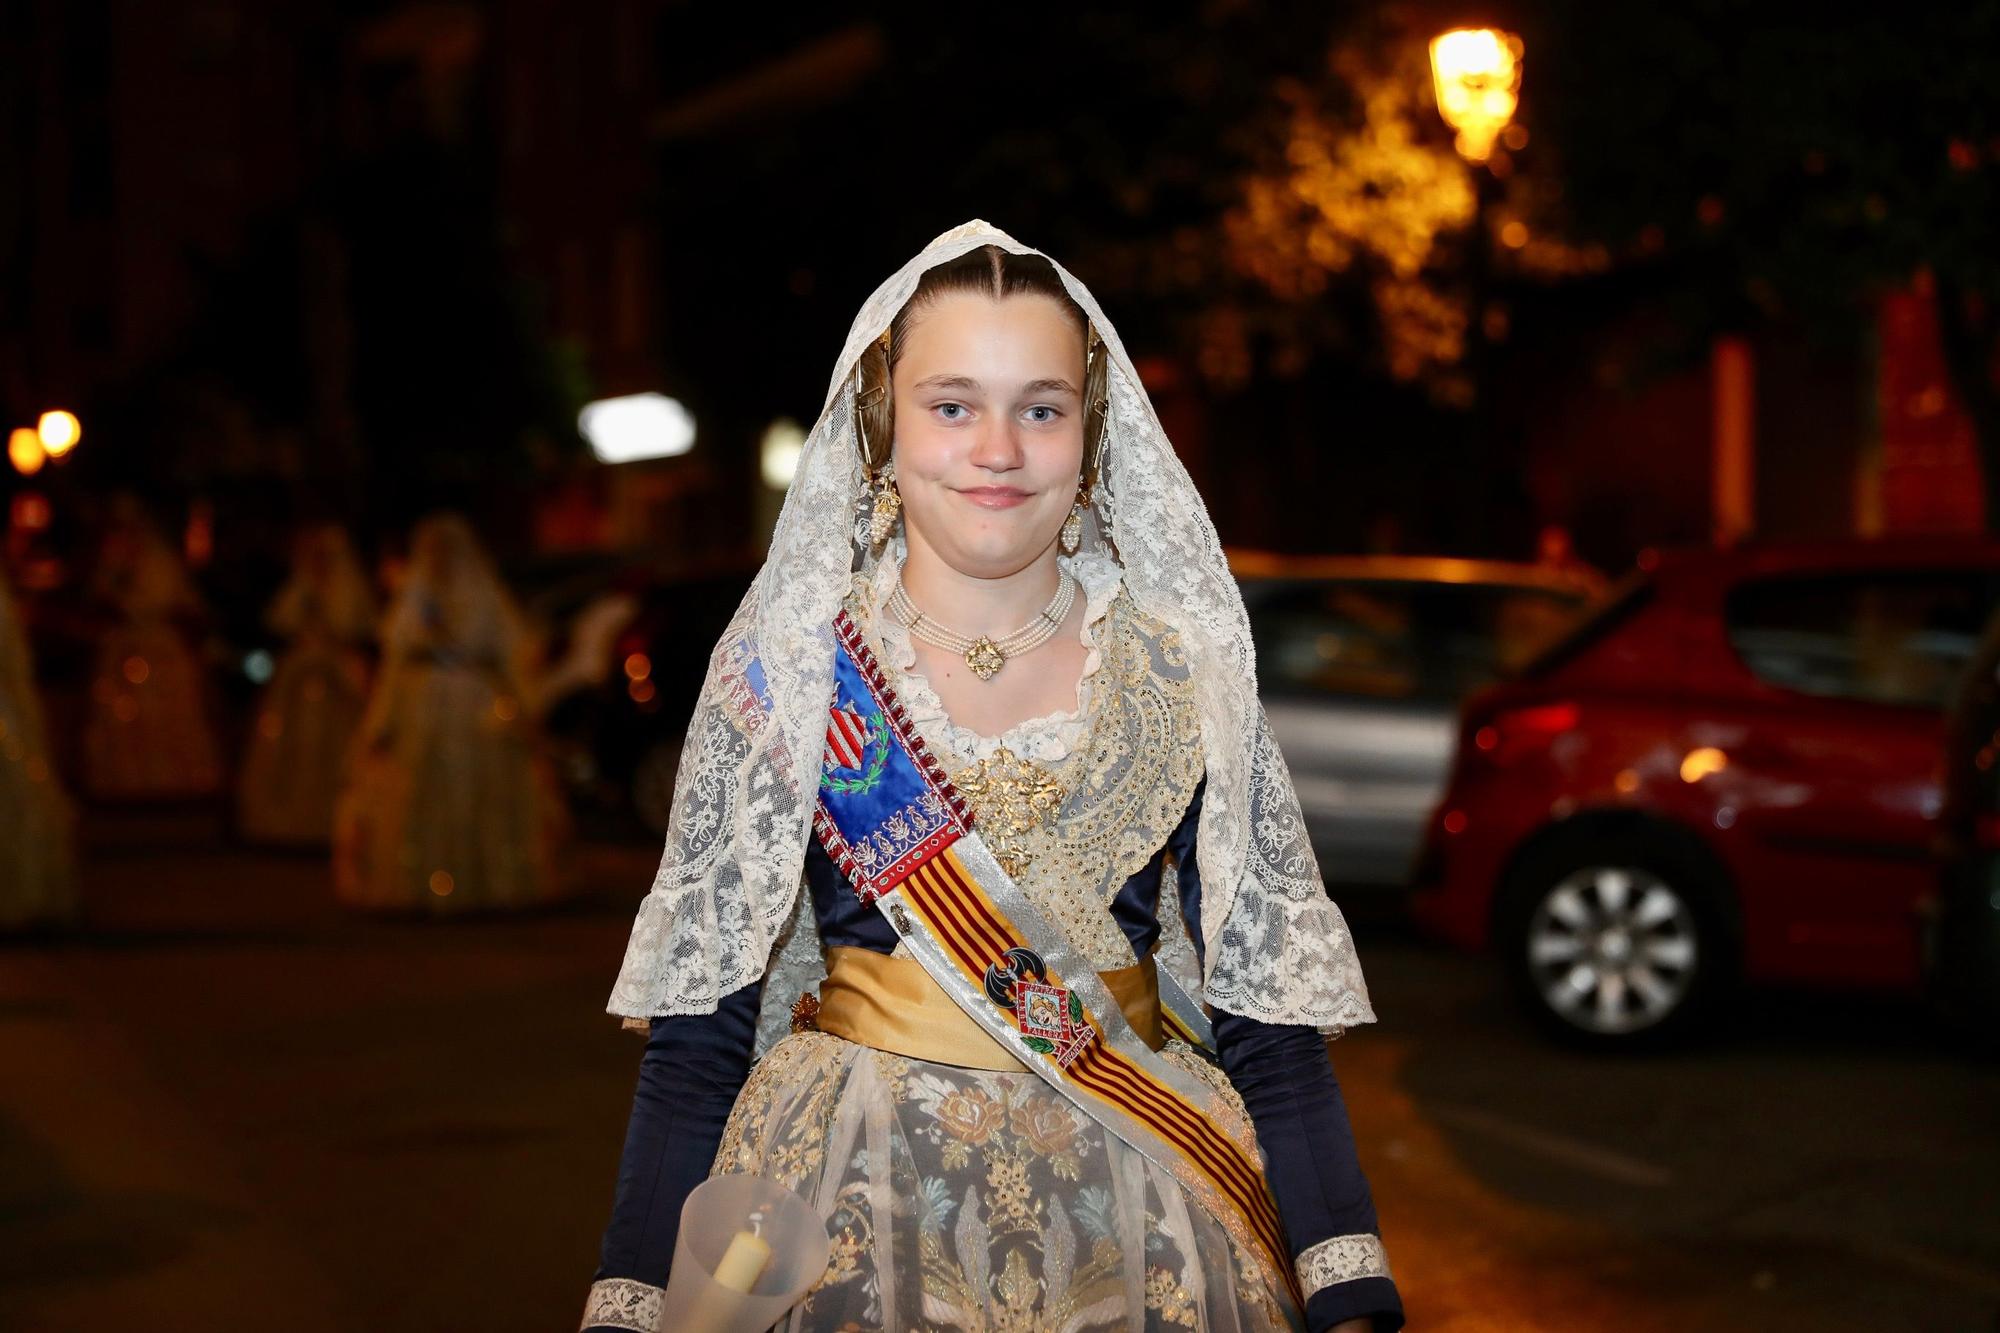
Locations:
column 37, row 881
column 149, row 734
column 450, row 804
column 981, row 758
column 309, row 713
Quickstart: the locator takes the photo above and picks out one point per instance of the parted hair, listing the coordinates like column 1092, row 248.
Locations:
column 987, row 271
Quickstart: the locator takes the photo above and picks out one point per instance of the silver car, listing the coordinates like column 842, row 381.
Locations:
column 1363, row 661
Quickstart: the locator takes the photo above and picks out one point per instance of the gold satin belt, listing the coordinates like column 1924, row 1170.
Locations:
column 892, row 1004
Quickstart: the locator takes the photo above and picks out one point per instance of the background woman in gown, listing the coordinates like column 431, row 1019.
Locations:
column 450, row 805
column 309, row 714
column 149, row 734
column 37, row 884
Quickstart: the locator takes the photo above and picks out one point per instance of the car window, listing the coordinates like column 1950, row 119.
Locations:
column 1402, row 639
column 1895, row 638
column 1602, row 619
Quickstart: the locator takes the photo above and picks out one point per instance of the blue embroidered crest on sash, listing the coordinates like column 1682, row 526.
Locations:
column 884, row 808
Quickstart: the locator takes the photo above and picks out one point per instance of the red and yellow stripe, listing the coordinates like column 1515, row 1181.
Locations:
column 974, row 933
column 1176, row 1028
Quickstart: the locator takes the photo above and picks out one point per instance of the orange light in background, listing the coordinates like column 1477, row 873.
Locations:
column 638, row 666
column 505, row 709
column 1454, row 822
column 199, row 541
column 642, row 691
column 136, row 670
column 31, row 512
column 1477, row 73
column 25, row 451
column 59, row 432
column 1701, row 761
column 1627, row 781
column 442, row 883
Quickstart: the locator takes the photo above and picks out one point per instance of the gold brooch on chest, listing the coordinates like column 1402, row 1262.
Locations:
column 1013, row 799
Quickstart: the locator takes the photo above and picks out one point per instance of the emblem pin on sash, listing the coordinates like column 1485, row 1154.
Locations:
column 1050, row 1017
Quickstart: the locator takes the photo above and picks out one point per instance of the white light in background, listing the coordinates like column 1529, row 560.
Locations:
column 635, row 427
column 59, row 432
column 778, row 456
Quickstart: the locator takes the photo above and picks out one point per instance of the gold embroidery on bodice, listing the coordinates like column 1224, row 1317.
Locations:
column 1013, row 799
column 1071, row 831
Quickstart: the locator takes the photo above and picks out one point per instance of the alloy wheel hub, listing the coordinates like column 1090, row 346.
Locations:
column 1612, row 949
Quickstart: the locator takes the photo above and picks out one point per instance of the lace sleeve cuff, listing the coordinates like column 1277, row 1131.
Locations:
column 1341, row 1259
column 622, row 1303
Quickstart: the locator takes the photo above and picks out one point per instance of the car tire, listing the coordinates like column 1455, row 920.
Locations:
column 653, row 780
column 1616, row 940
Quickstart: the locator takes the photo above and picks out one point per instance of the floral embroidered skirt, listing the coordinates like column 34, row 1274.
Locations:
column 968, row 1199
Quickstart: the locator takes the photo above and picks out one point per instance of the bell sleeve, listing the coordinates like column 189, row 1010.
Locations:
column 694, row 1066
column 1285, row 1077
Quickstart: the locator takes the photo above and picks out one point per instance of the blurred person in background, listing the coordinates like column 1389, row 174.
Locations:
column 37, row 885
column 148, row 734
column 1008, row 882
column 450, row 805
column 308, row 716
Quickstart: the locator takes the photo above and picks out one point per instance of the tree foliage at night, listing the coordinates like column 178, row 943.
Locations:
column 1804, row 162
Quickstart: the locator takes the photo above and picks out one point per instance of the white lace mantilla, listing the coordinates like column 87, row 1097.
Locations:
column 1046, row 740
column 728, row 883
column 1341, row 1259
column 623, row 1303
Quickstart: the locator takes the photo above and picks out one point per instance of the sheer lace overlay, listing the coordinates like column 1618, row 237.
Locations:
column 966, row 1199
column 728, row 883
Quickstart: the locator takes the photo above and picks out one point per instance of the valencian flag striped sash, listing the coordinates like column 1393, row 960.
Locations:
column 891, row 820
column 846, row 734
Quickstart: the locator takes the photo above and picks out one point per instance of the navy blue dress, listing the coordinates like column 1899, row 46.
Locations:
column 695, row 1065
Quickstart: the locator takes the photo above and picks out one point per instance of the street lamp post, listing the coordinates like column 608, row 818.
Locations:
column 1476, row 74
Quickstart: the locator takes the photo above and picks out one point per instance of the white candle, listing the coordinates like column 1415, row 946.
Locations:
column 743, row 1262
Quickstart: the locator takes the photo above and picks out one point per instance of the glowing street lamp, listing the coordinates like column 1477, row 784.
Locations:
column 59, row 431
column 1477, row 72
column 25, row 451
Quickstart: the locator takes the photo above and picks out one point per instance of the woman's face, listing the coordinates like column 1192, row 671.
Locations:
column 988, row 429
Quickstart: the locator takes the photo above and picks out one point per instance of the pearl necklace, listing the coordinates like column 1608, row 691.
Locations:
column 983, row 654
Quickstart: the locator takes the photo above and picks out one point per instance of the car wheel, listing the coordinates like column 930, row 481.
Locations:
column 653, row 784
column 1614, row 943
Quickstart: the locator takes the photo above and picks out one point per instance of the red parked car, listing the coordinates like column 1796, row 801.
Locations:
column 1731, row 772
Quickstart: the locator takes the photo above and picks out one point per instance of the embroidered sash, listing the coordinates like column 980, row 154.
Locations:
column 889, row 817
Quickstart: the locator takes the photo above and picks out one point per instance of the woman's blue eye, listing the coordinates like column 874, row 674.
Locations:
column 1042, row 415
column 950, row 411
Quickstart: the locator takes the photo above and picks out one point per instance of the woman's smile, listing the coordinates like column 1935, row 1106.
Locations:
column 995, row 497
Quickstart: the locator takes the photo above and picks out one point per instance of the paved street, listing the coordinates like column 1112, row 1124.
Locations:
column 226, row 1106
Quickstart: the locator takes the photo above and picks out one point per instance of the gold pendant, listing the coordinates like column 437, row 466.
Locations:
column 985, row 658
